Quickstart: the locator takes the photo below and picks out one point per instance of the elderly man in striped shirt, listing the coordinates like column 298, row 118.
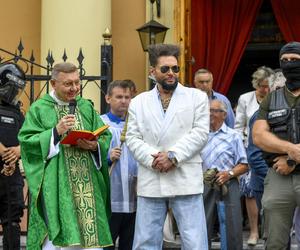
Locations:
column 225, row 153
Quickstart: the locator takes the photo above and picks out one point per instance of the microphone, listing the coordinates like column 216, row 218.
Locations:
column 72, row 107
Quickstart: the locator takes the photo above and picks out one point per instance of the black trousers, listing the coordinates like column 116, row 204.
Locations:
column 11, row 209
column 122, row 226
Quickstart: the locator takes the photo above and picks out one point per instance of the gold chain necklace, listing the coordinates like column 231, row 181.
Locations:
column 165, row 103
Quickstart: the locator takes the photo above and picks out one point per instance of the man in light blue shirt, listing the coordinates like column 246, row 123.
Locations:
column 203, row 80
column 225, row 152
column 123, row 170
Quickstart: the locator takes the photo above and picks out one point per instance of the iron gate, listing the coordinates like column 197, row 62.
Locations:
column 101, row 81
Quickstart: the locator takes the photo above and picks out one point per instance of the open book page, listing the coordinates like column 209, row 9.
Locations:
column 74, row 135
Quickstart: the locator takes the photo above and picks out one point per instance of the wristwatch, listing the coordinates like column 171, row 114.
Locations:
column 290, row 162
column 172, row 158
column 231, row 174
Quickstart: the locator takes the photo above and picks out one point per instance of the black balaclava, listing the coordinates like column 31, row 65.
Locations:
column 291, row 69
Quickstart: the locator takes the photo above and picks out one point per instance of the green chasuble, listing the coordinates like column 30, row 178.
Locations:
column 70, row 200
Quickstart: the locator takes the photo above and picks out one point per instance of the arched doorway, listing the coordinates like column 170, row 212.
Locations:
column 262, row 49
column 221, row 20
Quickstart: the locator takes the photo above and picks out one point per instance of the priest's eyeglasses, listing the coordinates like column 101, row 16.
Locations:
column 165, row 69
column 68, row 84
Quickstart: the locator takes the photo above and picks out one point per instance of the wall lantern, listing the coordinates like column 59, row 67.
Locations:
column 152, row 32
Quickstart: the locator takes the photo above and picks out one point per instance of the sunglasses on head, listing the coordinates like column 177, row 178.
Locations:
column 165, row 69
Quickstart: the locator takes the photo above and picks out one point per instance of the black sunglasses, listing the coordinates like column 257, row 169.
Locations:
column 165, row 69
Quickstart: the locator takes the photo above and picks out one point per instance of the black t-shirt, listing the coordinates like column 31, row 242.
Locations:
column 292, row 101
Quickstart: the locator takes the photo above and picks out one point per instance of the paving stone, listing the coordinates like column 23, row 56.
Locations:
column 171, row 246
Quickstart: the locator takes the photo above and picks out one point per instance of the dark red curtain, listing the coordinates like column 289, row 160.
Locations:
column 220, row 32
column 287, row 13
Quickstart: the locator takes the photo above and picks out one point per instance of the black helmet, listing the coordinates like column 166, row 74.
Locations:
column 12, row 82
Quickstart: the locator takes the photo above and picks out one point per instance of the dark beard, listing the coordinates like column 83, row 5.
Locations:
column 168, row 87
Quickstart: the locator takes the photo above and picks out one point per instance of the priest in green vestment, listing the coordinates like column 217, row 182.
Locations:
column 69, row 185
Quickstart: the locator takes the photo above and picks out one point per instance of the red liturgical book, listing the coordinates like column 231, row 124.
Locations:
column 74, row 135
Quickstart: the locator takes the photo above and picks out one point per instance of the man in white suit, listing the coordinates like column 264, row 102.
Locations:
column 167, row 128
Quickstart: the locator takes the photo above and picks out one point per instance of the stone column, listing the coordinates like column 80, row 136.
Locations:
column 75, row 24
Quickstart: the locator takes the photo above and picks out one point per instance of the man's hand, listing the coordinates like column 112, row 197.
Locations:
column 8, row 169
column 115, row 154
column 281, row 167
column 87, row 145
column 66, row 123
column 222, row 177
column 294, row 152
column 11, row 155
column 162, row 163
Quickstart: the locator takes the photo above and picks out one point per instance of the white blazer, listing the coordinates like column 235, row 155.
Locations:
column 247, row 105
column 183, row 129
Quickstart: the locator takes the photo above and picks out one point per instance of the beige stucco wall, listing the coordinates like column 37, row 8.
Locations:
column 166, row 17
column 75, row 24
column 21, row 19
column 71, row 24
column 130, row 61
column 129, row 57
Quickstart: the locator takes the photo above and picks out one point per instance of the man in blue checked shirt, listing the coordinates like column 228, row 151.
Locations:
column 225, row 152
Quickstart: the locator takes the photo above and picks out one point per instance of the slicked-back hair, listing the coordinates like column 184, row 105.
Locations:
column 202, row 71
column 124, row 84
column 157, row 50
column 64, row 67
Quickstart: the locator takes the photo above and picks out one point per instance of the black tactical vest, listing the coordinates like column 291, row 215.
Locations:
column 283, row 120
column 11, row 120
